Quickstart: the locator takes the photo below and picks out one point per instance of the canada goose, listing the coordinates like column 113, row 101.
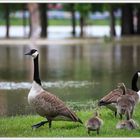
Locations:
column 110, row 99
column 94, row 123
column 125, row 103
column 127, row 124
column 45, row 103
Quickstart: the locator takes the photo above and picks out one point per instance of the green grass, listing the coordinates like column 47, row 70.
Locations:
column 60, row 22
column 20, row 126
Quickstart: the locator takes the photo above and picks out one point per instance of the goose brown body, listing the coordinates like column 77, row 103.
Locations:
column 50, row 106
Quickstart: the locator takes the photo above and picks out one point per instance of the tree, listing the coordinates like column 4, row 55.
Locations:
column 112, row 21
column 83, row 9
column 138, row 21
column 127, row 19
column 34, row 19
column 7, row 18
column 73, row 19
column 137, row 18
column 71, row 7
column 14, row 7
column 24, row 18
column 111, row 7
column 44, row 19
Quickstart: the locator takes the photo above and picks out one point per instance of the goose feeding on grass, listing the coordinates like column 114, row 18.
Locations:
column 94, row 123
column 110, row 99
column 45, row 103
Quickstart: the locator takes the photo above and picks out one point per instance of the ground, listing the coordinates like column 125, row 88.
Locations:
column 20, row 126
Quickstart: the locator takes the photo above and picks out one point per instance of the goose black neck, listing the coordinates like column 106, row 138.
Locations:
column 134, row 82
column 36, row 71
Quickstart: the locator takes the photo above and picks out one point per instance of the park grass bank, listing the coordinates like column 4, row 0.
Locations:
column 20, row 126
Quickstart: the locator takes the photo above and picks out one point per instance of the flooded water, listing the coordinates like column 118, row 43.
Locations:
column 78, row 73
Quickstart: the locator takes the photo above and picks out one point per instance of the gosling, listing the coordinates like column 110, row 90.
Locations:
column 127, row 124
column 125, row 104
column 94, row 123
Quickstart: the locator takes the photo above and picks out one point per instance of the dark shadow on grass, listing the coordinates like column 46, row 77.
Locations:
column 72, row 126
column 62, row 126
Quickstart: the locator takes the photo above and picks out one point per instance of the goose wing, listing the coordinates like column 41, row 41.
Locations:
column 54, row 107
column 113, row 96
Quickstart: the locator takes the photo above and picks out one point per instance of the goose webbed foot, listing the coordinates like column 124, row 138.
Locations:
column 39, row 124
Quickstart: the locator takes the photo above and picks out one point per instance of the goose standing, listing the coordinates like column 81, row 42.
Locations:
column 110, row 99
column 46, row 104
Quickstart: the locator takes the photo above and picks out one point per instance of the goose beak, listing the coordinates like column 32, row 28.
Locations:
column 28, row 53
column 102, row 103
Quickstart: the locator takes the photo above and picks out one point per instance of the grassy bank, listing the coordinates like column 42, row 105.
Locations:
column 20, row 126
column 59, row 22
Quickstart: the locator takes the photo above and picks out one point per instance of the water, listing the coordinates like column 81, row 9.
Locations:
column 60, row 32
column 76, row 73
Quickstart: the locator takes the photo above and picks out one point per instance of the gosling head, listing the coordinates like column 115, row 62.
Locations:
column 96, row 114
column 34, row 53
column 121, row 85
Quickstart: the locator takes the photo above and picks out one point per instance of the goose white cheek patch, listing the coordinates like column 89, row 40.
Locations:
column 34, row 55
column 138, row 74
column 139, row 94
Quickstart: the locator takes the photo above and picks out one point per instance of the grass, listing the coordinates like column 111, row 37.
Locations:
column 63, row 22
column 20, row 126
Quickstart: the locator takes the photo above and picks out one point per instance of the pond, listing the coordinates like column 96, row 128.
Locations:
column 75, row 73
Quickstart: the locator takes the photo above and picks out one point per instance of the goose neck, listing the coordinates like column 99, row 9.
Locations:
column 36, row 71
column 134, row 83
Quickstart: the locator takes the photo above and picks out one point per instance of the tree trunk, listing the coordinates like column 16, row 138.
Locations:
column 81, row 26
column 7, row 18
column 34, row 20
column 24, row 19
column 112, row 22
column 43, row 19
column 138, row 21
column 73, row 19
column 127, row 20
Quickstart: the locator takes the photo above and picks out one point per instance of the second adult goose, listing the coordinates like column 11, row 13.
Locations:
column 45, row 103
column 110, row 99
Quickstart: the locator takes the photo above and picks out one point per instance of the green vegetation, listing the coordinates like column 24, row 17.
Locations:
column 60, row 22
column 20, row 126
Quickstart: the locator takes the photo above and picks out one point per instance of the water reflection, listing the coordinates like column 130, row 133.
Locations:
column 74, row 73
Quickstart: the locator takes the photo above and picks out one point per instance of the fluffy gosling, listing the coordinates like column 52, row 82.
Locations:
column 127, row 124
column 94, row 123
column 125, row 103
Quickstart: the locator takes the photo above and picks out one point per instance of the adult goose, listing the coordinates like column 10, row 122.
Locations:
column 45, row 103
column 110, row 99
